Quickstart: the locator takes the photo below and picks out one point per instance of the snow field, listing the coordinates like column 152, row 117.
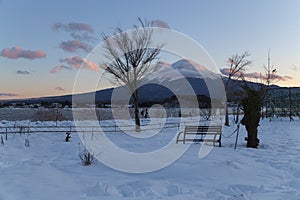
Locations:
column 51, row 169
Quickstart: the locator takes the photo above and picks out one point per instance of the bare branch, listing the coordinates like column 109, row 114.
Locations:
column 238, row 64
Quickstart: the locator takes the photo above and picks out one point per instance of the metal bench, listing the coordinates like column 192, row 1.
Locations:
column 201, row 134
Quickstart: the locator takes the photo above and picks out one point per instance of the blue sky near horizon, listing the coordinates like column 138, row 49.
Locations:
column 223, row 28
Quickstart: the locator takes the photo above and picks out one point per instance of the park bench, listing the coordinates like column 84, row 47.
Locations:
column 201, row 134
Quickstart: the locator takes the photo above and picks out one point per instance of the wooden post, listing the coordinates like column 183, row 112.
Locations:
column 290, row 102
column 237, row 136
column 92, row 133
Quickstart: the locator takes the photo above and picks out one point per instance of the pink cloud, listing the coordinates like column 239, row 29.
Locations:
column 288, row 77
column 59, row 88
column 59, row 68
column 76, row 62
column 256, row 75
column 198, row 66
column 280, row 78
column 74, row 45
column 227, row 71
column 8, row 95
column 17, row 52
column 90, row 65
column 164, row 63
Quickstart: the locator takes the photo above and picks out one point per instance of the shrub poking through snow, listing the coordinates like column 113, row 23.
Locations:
column 86, row 157
column 27, row 142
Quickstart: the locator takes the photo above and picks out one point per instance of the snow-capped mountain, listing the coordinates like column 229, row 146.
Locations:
column 180, row 69
column 168, row 80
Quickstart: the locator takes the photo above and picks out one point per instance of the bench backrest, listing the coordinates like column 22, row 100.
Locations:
column 203, row 130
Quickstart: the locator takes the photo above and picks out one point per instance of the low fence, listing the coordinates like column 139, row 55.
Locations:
column 114, row 128
column 82, row 129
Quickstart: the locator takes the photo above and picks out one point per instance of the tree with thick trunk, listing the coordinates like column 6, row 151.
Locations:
column 252, row 99
column 252, row 103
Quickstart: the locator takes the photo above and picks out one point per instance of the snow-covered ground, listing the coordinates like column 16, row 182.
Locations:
column 51, row 169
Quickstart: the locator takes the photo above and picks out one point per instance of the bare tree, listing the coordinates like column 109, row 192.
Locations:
column 270, row 77
column 238, row 63
column 131, row 56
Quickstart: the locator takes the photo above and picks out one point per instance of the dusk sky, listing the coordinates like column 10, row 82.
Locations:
column 41, row 42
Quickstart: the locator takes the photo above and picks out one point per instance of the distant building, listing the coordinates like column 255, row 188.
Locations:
column 36, row 105
column 56, row 105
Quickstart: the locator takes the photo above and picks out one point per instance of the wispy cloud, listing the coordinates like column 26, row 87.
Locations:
column 23, row 72
column 280, row 78
column 256, row 75
column 75, row 62
column 295, row 68
column 160, row 23
column 73, row 27
column 78, row 31
column 74, row 46
column 8, row 95
column 59, row 88
column 59, row 68
column 17, row 52
column 82, row 36
column 227, row 71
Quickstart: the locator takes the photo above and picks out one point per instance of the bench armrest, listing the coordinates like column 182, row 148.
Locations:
column 178, row 135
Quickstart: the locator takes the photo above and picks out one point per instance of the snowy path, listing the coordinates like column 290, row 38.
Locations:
column 51, row 169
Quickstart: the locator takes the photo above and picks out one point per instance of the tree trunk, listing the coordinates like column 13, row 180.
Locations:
column 226, row 117
column 252, row 140
column 252, row 112
column 226, row 103
column 136, row 101
column 136, row 111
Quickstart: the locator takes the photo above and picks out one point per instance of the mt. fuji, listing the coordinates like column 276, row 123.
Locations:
column 155, row 87
column 180, row 69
